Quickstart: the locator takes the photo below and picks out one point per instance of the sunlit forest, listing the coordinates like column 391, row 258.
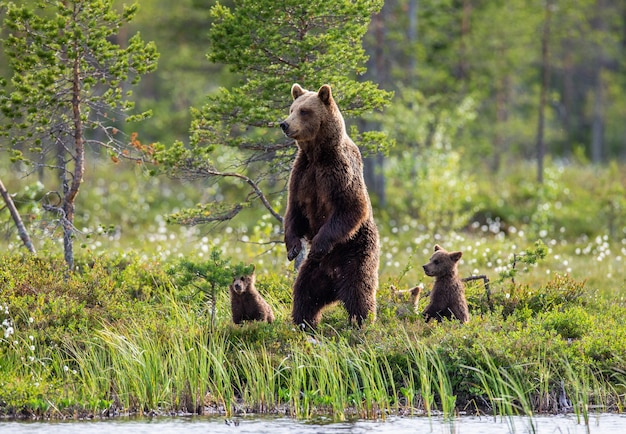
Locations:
column 497, row 66
column 485, row 90
column 493, row 87
column 142, row 164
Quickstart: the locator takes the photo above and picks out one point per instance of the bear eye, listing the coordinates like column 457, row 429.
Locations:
column 436, row 261
column 304, row 112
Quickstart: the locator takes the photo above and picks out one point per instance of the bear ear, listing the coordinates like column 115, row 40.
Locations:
column 325, row 94
column 438, row 247
column 455, row 256
column 296, row 91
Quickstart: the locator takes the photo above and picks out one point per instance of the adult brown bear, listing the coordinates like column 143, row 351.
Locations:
column 330, row 209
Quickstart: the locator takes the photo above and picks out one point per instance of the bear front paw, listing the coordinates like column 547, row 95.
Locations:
column 293, row 253
column 293, row 249
column 317, row 252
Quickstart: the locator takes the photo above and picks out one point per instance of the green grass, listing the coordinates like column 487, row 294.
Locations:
column 126, row 333
column 168, row 358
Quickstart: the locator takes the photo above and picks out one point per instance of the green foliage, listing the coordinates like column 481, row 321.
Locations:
column 47, row 53
column 525, row 301
column 55, row 308
column 612, row 198
column 121, row 335
column 438, row 188
column 67, row 89
column 568, row 203
column 529, row 257
column 571, row 322
column 270, row 46
column 207, row 277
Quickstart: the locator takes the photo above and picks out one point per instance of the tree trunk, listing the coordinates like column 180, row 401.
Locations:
column 21, row 229
column 545, row 73
column 568, row 96
column 597, row 121
column 412, row 38
column 373, row 165
column 71, row 191
column 502, row 116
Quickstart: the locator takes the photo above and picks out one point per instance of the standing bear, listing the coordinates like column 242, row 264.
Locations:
column 246, row 303
column 447, row 298
column 329, row 208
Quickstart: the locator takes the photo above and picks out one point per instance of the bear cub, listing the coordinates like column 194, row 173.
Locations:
column 246, row 303
column 399, row 297
column 447, row 298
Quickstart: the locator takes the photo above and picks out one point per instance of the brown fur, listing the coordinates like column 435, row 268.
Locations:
column 246, row 303
column 447, row 298
column 329, row 208
column 413, row 301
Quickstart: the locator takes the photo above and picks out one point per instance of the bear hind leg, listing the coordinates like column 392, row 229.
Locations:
column 360, row 305
column 312, row 291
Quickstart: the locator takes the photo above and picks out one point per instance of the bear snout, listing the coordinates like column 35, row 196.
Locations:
column 284, row 126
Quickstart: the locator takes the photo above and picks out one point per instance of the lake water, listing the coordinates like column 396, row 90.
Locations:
column 599, row 424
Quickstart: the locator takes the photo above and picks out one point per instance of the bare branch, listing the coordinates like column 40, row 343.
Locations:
column 21, row 229
column 254, row 187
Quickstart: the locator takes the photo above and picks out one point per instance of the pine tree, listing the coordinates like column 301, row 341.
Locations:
column 68, row 90
column 269, row 46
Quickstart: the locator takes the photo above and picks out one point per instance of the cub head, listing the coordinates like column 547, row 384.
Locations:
column 442, row 262
column 309, row 111
column 244, row 283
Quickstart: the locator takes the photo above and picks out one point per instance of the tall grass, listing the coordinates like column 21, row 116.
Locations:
column 162, row 355
column 506, row 388
column 256, row 378
column 186, row 371
column 433, row 379
column 333, row 376
column 587, row 391
column 185, row 368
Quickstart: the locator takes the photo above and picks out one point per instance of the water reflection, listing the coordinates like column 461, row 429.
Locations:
column 599, row 424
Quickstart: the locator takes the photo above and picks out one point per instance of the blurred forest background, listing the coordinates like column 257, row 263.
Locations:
column 439, row 55
column 491, row 99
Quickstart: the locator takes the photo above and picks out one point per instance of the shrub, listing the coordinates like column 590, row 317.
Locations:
column 570, row 323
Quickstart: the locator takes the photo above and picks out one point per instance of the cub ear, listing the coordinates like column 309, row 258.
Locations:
column 438, row 247
column 297, row 91
column 455, row 256
column 325, row 94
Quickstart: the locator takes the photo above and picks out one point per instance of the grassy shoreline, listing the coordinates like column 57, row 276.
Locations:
column 128, row 333
column 125, row 339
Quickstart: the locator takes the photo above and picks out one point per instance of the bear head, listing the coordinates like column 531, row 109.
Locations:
column 242, row 284
column 442, row 263
column 313, row 116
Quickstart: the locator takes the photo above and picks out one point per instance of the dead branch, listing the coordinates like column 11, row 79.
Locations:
column 486, row 282
column 254, row 187
column 21, row 229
